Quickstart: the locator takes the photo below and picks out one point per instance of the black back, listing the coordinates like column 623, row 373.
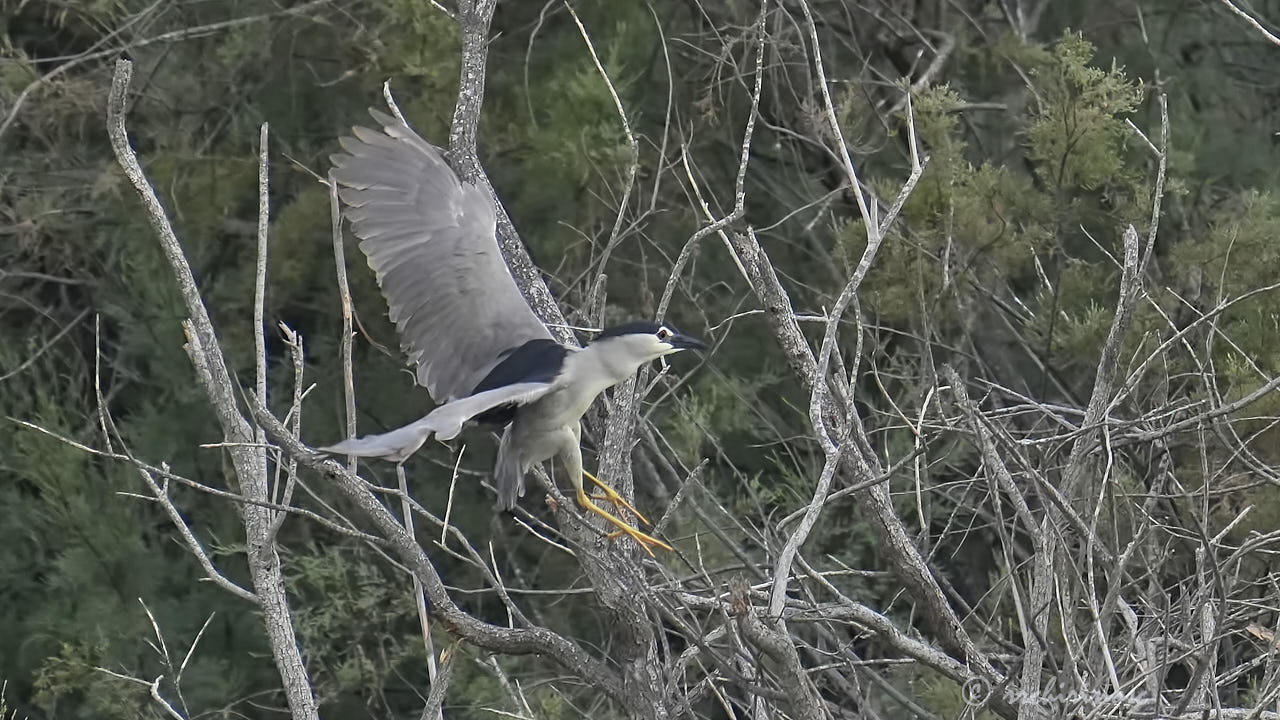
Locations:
column 535, row 361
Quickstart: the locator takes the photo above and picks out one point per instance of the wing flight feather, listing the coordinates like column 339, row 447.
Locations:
column 431, row 240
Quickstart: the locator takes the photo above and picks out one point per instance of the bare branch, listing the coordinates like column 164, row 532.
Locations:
column 513, row 641
column 473, row 22
column 439, row 684
column 805, row 703
column 419, row 601
column 193, row 544
column 1257, row 26
column 264, row 561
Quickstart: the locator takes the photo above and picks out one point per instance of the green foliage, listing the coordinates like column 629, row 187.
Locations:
column 1076, row 135
column 1003, row 256
column 1238, row 255
column 1230, row 269
column 1041, row 232
column 939, row 695
column 68, row 679
column 717, row 404
column 354, row 659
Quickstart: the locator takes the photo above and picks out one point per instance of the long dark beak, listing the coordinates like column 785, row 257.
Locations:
column 686, row 342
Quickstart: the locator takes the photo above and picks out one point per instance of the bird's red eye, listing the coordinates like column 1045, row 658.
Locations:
column 663, row 333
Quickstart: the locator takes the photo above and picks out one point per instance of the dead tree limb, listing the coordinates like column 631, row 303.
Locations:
column 250, row 463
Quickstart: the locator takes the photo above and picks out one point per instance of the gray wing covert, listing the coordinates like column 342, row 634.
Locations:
column 431, row 240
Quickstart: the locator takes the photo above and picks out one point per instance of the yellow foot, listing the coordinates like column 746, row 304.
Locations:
column 612, row 496
column 645, row 541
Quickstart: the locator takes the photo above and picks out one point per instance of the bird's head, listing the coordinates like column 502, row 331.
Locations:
column 644, row 341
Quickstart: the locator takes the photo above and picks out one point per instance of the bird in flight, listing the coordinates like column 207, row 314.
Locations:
column 475, row 343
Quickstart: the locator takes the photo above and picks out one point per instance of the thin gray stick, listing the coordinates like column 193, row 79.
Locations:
column 739, row 183
column 211, row 573
column 419, row 601
column 1271, row 38
column 834, row 450
column 344, row 297
column 297, row 352
column 260, row 290
column 615, row 234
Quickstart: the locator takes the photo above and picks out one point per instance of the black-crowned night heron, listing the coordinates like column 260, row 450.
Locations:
column 478, row 347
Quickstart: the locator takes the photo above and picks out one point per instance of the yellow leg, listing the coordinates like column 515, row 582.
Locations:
column 612, row 496
column 644, row 540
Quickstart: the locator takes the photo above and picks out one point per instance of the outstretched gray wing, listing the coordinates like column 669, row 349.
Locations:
column 445, row 422
column 432, row 241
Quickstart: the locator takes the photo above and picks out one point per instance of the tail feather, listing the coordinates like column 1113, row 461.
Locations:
column 395, row 446
column 445, row 422
column 508, row 473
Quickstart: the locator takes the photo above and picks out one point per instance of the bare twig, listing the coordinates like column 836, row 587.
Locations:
column 719, row 226
column 805, row 702
column 344, row 297
column 296, row 351
column 233, row 497
column 1253, row 23
column 260, row 278
column 419, row 601
column 615, row 235
column 161, row 495
column 48, row 344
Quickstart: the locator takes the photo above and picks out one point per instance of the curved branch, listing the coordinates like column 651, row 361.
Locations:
column 510, row 641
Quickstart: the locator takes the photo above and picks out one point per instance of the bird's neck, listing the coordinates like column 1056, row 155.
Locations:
column 599, row 372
